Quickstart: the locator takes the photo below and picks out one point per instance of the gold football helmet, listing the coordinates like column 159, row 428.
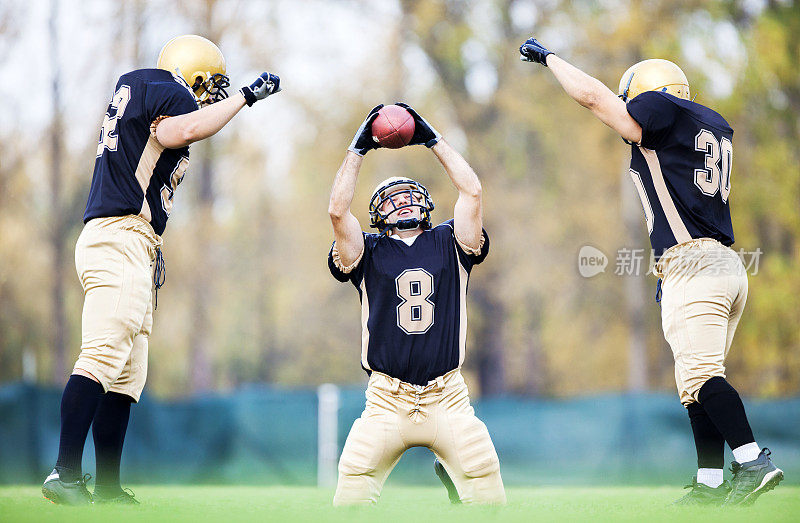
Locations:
column 419, row 197
column 653, row 75
column 201, row 65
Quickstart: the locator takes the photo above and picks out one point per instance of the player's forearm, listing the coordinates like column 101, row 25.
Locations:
column 459, row 171
column 180, row 131
column 595, row 96
column 346, row 229
column 468, row 211
column 583, row 88
column 344, row 186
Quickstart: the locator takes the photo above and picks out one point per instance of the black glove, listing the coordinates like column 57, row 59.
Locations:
column 363, row 141
column 265, row 85
column 533, row 51
column 424, row 133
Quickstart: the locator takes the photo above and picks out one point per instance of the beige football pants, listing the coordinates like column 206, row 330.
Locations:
column 114, row 258
column 398, row 417
column 704, row 292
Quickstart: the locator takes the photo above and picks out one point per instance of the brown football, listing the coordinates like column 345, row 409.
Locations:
column 394, row 127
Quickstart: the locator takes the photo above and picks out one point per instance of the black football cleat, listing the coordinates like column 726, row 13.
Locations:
column 66, row 492
column 753, row 478
column 703, row 494
column 121, row 497
column 452, row 492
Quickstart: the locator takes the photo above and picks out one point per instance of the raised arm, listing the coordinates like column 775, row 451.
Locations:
column 180, row 131
column 586, row 90
column 346, row 229
column 468, row 211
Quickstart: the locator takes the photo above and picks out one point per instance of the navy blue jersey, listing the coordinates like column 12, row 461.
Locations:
column 133, row 173
column 413, row 301
column 682, row 170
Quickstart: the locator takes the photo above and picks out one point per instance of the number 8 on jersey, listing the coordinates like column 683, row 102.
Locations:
column 415, row 312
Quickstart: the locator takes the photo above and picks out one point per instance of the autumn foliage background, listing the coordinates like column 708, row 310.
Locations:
column 248, row 296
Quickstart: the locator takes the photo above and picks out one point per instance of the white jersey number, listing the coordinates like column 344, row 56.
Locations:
column 108, row 132
column 711, row 180
column 415, row 312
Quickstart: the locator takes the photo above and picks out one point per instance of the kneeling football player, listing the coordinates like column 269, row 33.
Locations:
column 412, row 282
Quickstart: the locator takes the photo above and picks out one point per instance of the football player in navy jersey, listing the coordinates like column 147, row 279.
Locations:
column 142, row 156
column 681, row 158
column 411, row 278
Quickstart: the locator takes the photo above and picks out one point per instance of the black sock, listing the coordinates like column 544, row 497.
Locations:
column 724, row 406
column 108, row 431
column 708, row 441
column 78, row 404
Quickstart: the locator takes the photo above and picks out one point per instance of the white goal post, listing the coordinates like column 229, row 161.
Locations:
column 327, row 434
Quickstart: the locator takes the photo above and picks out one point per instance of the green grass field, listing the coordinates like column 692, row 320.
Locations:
column 398, row 505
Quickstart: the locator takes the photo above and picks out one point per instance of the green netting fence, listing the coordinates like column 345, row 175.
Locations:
column 268, row 435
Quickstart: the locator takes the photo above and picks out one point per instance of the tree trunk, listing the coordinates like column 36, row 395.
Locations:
column 200, row 356
column 535, row 382
column 58, row 228
column 489, row 342
column 634, row 286
column 200, row 339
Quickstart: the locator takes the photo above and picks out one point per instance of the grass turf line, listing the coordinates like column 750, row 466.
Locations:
column 398, row 504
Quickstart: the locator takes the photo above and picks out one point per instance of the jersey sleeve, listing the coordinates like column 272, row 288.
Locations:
column 355, row 271
column 168, row 99
column 656, row 114
column 468, row 256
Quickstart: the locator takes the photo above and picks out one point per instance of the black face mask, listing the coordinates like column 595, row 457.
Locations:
column 417, row 197
column 215, row 87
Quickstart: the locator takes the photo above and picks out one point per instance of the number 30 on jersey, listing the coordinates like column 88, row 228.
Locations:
column 711, row 179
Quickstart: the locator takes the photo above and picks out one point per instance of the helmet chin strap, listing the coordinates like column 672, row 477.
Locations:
column 404, row 225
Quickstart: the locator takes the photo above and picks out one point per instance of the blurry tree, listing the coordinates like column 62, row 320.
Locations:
column 765, row 114
column 14, row 190
column 58, row 226
column 205, row 269
column 249, row 297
